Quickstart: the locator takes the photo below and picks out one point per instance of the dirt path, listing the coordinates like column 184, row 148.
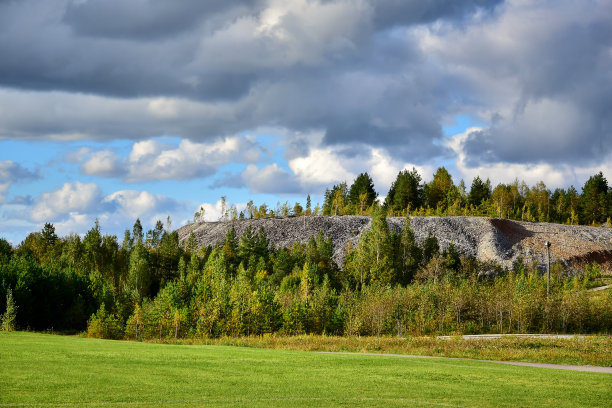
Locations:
column 498, row 336
column 590, row 369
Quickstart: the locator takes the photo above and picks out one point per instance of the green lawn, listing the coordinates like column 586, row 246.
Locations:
column 46, row 370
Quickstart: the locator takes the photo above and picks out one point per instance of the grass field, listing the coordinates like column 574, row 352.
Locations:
column 591, row 350
column 46, row 370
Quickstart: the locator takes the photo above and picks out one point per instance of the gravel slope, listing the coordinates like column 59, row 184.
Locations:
column 493, row 239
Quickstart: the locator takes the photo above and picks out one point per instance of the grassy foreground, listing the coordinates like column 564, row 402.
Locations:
column 46, row 370
column 592, row 350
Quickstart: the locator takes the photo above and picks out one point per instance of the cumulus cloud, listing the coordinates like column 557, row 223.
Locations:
column 75, row 206
column 318, row 167
column 75, row 197
column 134, row 204
column 153, row 160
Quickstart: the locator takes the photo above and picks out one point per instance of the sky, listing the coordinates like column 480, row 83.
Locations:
column 118, row 110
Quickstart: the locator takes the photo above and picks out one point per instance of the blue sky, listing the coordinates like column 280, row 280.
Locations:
column 117, row 110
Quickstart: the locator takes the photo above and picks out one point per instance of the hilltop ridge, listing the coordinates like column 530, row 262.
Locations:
column 500, row 240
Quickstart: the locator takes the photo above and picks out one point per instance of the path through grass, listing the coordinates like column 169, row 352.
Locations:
column 46, row 370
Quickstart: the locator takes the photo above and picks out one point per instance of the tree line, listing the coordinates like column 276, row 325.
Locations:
column 152, row 287
column 409, row 195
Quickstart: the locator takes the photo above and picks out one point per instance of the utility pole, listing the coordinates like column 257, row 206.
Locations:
column 547, row 244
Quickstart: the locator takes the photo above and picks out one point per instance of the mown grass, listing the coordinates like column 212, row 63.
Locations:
column 46, row 370
column 592, row 350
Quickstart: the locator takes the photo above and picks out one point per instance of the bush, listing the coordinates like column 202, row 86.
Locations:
column 103, row 325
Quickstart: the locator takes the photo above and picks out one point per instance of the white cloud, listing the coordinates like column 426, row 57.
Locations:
column 103, row 163
column 134, row 204
column 71, row 197
column 321, row 166
column 152, row 160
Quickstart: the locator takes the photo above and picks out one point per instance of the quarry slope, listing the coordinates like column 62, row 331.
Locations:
column 498, row 240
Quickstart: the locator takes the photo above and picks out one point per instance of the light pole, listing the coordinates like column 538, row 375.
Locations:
column 547, row 244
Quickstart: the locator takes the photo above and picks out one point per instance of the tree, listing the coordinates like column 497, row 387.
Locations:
column 335, row 199
column 479, row 192
column 6, row 250
column 199, row 215
column 594, row 200
column 137, row 235
column 437, row 191
column 361, row 194
column 308, row 205
column 224, row 214
column 405, row 192
column 502, row 200
column 9, row 318
column 410, row 253
column 155, row 235
column 139, row 277
column 373, row 260
column 48, row 235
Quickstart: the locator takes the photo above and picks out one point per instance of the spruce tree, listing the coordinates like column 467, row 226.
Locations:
column 9, row 318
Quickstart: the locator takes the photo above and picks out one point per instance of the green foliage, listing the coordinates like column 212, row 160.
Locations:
column 441, row 188
column 336, row 199
column 595, row 200
column 361, row 195
column 405, row 192
column 9, row 319
column 104, row 325
column 479, row 192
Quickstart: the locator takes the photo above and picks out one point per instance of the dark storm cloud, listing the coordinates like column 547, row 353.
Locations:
column 145, row 19
column 563, row 105
column 402, row 12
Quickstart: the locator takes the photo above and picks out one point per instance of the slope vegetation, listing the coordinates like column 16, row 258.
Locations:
column 493, row 239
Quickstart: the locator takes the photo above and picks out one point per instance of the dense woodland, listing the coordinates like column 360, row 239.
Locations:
column 151, row 287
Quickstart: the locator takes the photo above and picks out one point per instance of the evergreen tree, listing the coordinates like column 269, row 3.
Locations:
column 361, row 194
column 410, row 253
column 9, row 318
column 405, row 192
column 479, row 192
column 594, row 200
column 137, row 234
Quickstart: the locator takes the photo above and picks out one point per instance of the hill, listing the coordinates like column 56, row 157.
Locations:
column 494, row 239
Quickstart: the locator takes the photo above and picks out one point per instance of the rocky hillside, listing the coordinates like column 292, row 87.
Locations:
column 486, row 238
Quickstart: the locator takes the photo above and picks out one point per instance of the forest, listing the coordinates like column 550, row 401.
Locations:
column 150, row 286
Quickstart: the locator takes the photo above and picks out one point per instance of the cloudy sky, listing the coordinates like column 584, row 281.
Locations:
column 146, row 108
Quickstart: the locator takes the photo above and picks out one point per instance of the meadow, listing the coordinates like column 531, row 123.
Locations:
column 47, row 370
